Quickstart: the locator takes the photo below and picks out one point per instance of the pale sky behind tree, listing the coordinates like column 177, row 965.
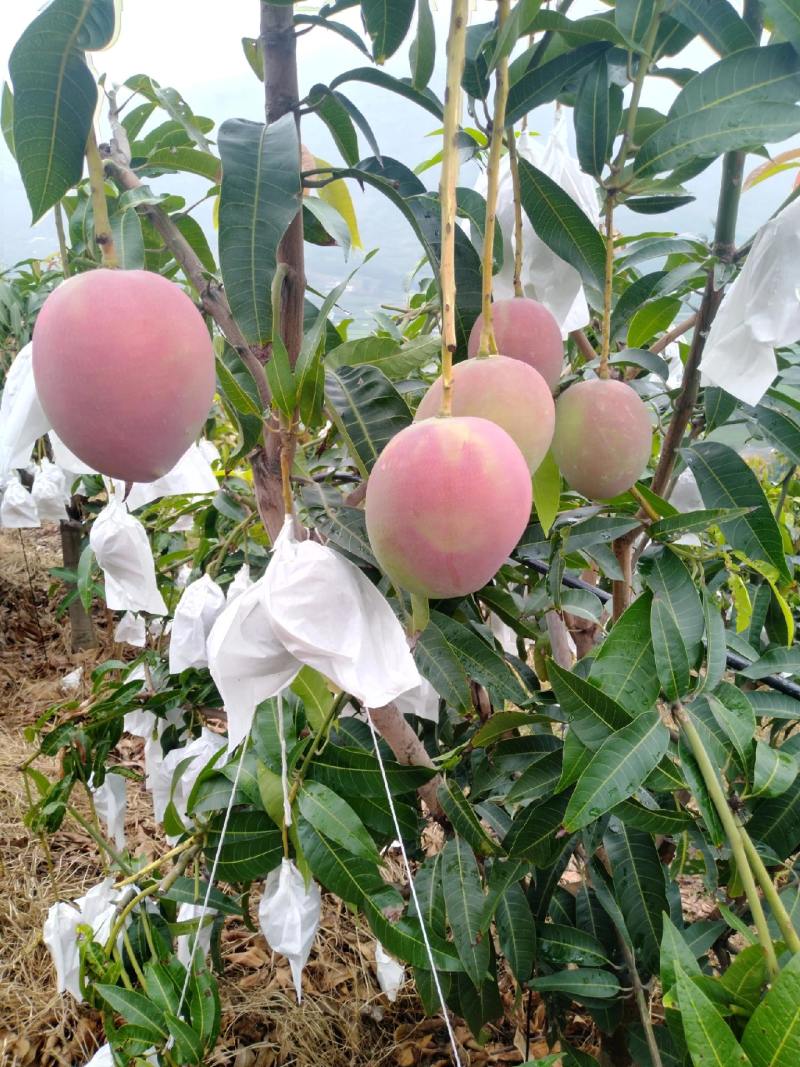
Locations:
column 195, row 46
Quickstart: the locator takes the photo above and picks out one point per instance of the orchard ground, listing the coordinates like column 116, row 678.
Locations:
column 344, row 1019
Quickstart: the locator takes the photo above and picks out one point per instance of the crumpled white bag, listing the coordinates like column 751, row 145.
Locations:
column 188, row 913
column 110, row 801
column 545, row 276
column 759, row 313
column 104, row 1057
column 130, row 630
column 389, row 972
column 504, row 634
column 95, row 909
column 18, row 509
column 49, row 492
column 198, row 609
column 314, row 607
column 191, row 476
column 240, row 584
column 71, row 682
column 120, row 543
column 183, row 576
column 422, row 700
column 199, row 752
column 289, row 917
column 22, row 419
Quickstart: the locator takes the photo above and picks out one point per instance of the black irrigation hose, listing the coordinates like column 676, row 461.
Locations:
column 734, row 660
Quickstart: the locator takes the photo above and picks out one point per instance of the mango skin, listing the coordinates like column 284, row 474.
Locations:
column 603, row 437
column 506, row 391
column 124, row 369
column 447, row 501
column 524, row 329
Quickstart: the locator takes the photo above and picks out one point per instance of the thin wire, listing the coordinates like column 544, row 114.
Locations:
column 287, row 806
column 428, row 949
column 211, row 878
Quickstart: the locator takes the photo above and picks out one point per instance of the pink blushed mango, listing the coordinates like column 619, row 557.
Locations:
column 447, row 501
column 524, row 329
column 124, row 369
column 603, row 437
column 506, row 391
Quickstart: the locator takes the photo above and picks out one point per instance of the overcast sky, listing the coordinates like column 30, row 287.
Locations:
column 195, row 46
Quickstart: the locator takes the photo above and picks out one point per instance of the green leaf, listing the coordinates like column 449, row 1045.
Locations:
column 617, row 770
column 593, row 715
column 624, row 667
column 547, row 492
column 638, row 878
column 516, row 931
column 336, row 117
column 785, row 15
column 187, row 891
column 561, row 944
column 717, row 21
column 464, row 902
column 126, row 229
column 543, row 83
column 55, row 96
column 746, row 976
column 402, row 86
column 188, row 1046
column 776, row 821
column 355, row 772
column 251, row 847
column 515, row 26
column 539, row 780
column 465, row 822
column 395, row 360
column 317, row 698
column 84, row 577
column 669, row 647
column 422, row 54
column 775, row 661
column 136, row 1008
column 533, row 831
column 708, row 1037
column 653, row 820
column 692, row 522
column 188, row 160
column 651, row 320
column 773, row 771
column 745, row 99
column 243, row 400
column 387, row 24
column 367, row 409
column 633, row 19
column 280, row 378
column 7, row 118
column 173, row 103
column 260, row 196
column 561, row 224
column 343, row 526
column 734, row 713
column 779, row 421
column 502, row 721
column 725, row 481
column 676, row 955
column 581, row 982
column 350, row 877
column 334, row 818
column 344, row 31
column 479, row 659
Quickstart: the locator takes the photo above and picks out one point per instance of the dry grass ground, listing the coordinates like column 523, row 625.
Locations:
column 344, row 1020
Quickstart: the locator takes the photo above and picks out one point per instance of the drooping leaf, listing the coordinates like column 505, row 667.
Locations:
column 773, row 770
column 581, row 982
column 387, row 24
column 464, row 902
column 671, row 654
column 480, row 660
column 136, row 1008
column 617, row 770
column 367, row 409
column 422, row 54
column 333, row 817
column 624, row 667
column 593, row 715
column 260, row 196
column 717, row 21
column 708, row 1037
column 465, row 822
column 516, row 931
column 639, row 889
column 633, row 18
column 250, row 849
column 785, row 15
column 561, row 224
column 547, row 492
column 533, row 831
column 424, row 98
column 725, row 481
column 543, row 83
column 55, row 96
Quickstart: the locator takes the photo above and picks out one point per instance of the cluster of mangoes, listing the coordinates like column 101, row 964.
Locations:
column 449, row 497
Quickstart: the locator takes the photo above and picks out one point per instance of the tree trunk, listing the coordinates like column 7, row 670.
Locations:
column 81, row 625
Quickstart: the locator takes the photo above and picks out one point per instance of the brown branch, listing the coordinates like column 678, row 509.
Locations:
column 396, row 731
column 584, row 344
column 674, row 333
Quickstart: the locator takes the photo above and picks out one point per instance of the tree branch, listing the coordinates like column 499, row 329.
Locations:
column 394, row 728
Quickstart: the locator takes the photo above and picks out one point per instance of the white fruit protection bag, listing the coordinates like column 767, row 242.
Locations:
column 312, row 607
column 120, row 543
column 191, row 476
column 131, row 630
column 198, row 609
column 96, row 909
column 545, row 276
column 18, row 509
column 389, row 972
column 50, row 492
column 22, row 420
column 289, row 915
column 759, row 313
column 110, row 801
column 190, row 913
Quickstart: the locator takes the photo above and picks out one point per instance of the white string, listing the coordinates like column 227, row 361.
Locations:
column 407, row 865
column 287, row 806
column 211, row 878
